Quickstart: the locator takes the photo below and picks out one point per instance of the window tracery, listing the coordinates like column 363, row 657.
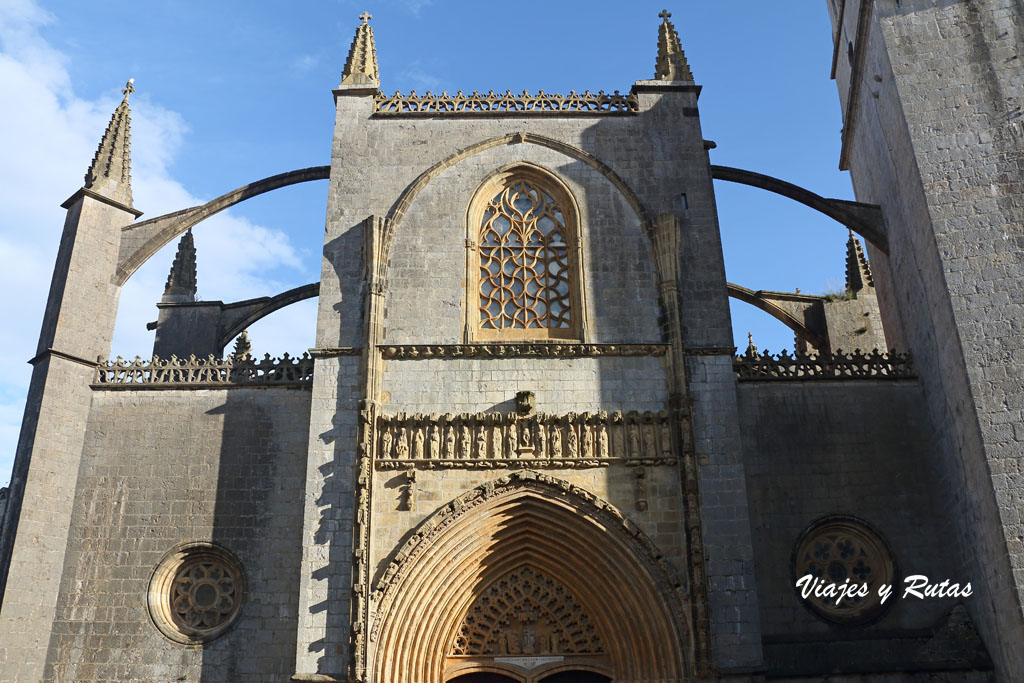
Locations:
column 526, row 251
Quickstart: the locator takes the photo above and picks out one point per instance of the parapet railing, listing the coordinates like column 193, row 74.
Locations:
column 755, row 366
column 507, row 103
column 205, row 372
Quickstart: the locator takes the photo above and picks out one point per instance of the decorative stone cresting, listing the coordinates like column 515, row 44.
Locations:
column 762, row 366
column 511, row 440
column 207, row 372
column 507, row 103
column 527, row 612
column 530, row 350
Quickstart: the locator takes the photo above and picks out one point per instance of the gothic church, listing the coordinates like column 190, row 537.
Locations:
column 524, row 448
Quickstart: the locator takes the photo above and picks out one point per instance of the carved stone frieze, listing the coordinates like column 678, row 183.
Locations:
column 534, row 349
column 481, row 440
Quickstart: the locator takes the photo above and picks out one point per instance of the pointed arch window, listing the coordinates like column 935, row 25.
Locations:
column 525, row 267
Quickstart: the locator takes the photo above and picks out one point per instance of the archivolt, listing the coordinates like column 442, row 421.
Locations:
column 398, row 209
column 626, row 585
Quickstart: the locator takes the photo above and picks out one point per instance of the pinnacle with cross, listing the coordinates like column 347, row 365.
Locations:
column 671, row 63
column 361, row 65
column 110, row 172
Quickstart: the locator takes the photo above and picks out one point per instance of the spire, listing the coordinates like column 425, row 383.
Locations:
column 858, row 272
column 111, row 171
column 181, row 283
column 243, row 348
column 671, row 64
column 361, row 65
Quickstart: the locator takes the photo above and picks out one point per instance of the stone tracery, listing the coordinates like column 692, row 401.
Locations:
column 527, row 612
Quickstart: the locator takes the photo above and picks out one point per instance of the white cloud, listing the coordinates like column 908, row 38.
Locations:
column 48, row 141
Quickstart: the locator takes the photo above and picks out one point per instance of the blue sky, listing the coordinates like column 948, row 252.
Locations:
column 229, row 92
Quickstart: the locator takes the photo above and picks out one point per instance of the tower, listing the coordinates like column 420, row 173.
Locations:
column 930, row 94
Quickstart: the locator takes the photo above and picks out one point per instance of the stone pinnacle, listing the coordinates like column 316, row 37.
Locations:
column 110, row 173
column 858, row 272
column 361, row 65
column 181, row 282
column 671, row 64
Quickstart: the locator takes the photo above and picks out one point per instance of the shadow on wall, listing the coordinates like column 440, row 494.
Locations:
column 258, row 516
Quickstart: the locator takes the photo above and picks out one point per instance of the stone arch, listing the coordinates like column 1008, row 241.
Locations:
column 139, row 241
column 864, row 219
column 243, row 314
column 630, row 590
column 397, row 211
column 757, row 299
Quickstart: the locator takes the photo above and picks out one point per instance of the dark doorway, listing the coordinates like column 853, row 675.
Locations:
column 576, row 677
column 483, row 677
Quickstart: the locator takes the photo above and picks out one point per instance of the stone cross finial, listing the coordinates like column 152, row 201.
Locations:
column 110, row 172
column 671, row 63
column 361, row 65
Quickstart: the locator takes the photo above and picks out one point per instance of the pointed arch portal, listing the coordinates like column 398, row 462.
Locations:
column 575, row 589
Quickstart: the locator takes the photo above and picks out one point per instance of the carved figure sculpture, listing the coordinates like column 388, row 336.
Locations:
column 588, row 441
column 435, row 441
column 510, row 441
column 556, row 440
column 481, row 441
column 449, row 441
column 572, row 439
column 496, row 437
column 541, row 439
column 402, row 443
column 618, row 445
column 666, row 435
column 649, row 439
column 602, row 440
column 385, row 442
column 465, row 443
column 634, row 441
column 417, row 442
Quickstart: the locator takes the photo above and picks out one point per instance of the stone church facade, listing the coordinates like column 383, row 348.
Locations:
column 524, row 447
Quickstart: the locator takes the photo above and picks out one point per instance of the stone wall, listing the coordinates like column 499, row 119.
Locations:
column 427, row 297
column 937, row 143
column 858, row 448
column 164, row 467
column 560, row 384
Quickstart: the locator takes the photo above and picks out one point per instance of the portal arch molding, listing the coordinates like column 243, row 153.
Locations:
column 567, row 547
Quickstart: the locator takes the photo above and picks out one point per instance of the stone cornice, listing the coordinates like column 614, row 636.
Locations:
column 86, row 192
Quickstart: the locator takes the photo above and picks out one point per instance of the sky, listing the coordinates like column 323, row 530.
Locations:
column 232, row 91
